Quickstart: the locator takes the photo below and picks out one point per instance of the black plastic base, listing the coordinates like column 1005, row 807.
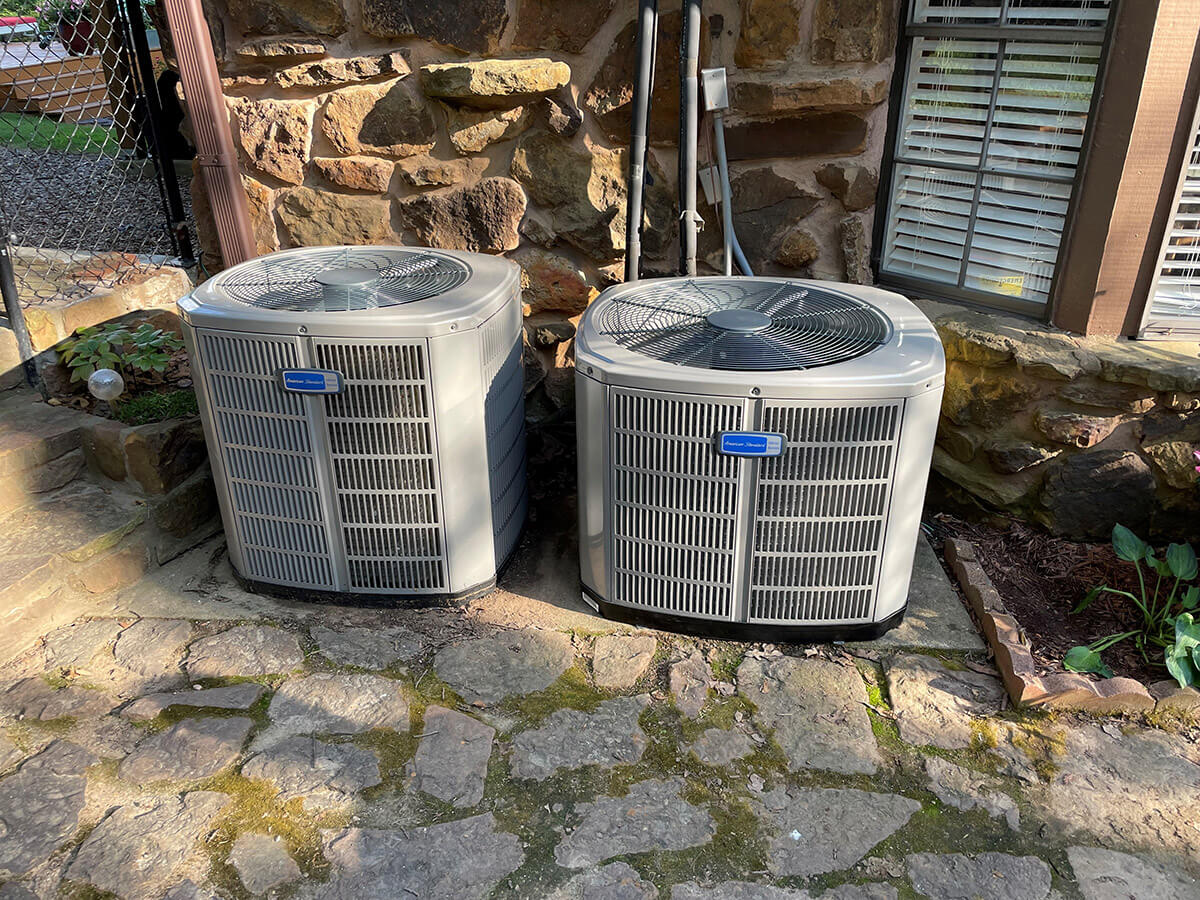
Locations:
column 745, row 631
column 347, row 598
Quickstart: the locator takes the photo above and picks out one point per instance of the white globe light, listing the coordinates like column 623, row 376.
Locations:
column 106, row 384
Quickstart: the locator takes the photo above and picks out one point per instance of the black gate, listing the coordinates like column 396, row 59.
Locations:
column 89, row 143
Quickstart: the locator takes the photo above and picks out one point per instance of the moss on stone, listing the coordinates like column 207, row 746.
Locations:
column 571, row 690
column 255, row 807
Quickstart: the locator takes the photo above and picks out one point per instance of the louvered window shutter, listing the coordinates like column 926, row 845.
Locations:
column 995, row 109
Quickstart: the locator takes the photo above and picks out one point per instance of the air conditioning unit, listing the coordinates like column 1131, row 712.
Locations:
column 364, row 411
column 753, row 454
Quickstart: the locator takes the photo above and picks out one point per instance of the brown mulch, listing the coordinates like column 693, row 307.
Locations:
column 1041, row 578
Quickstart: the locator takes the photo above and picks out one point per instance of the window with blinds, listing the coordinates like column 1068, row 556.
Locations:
column 1173, row 310
column 989, row 139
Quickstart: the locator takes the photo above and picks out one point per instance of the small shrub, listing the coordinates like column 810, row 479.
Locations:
column 147, row 408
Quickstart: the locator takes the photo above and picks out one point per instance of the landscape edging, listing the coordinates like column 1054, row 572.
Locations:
column 1067, row 690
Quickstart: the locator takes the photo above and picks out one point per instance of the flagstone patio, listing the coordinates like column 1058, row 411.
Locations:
column 187, row 739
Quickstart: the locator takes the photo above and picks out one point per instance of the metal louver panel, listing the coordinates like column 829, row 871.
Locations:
column 340, row 279
column 821, row 511
column 674, row 503
column 267, row 454
column 504, row 420
column 385, row 468
column 743, row 325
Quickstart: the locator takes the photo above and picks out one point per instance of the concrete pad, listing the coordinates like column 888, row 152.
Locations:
column 936, row 617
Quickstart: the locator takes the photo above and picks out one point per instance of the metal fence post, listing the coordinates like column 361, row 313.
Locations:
column 15, row 315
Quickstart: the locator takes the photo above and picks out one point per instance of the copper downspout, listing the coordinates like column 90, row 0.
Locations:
column 210, row 124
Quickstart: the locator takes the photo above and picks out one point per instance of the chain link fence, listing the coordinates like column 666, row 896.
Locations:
column 90, row 144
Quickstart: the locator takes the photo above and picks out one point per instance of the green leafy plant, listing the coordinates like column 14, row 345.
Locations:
column 92, row 348
column 144, row 351
column 1165, row 607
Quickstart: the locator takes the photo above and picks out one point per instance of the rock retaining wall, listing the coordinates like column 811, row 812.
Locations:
column 1074, row 433
column 500, row 126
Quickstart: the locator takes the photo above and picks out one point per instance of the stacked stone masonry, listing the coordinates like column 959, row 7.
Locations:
column 1076, row 434
column 501, row 127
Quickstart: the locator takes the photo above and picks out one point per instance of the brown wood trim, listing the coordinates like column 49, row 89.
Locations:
column 1103, row 278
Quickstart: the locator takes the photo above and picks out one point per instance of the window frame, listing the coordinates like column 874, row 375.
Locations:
column 1001, row 32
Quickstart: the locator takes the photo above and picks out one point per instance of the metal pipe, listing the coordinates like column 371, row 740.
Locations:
column 639, row 127
column 215, row 152
column 689, row 133
column 733, row 248
column 16, row 317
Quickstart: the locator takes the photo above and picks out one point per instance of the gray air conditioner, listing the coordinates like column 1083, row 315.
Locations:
column 364, row 413
column 753, row 454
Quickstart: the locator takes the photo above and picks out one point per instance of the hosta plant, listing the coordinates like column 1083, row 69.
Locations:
column 144, row 352
column 1165, row 599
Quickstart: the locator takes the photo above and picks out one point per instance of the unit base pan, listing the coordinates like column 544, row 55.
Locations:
column 742, row 631
column 349, row 598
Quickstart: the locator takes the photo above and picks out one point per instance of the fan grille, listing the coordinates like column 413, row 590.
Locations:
column 783, row 324
column 293, row 282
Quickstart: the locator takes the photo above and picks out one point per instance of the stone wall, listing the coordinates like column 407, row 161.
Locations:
column 1074, row 433
column 501, row 125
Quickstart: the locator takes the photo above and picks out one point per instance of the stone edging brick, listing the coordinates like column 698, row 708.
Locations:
column 1067, row 690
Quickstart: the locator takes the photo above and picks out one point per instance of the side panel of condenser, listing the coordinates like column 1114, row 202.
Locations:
column 591, row 421
column 504, row 418
column 456, row 375
column 264, row 459
column 913, row 458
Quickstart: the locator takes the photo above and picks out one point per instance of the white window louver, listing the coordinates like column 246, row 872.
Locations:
column 1173, row 309
column 995, row 111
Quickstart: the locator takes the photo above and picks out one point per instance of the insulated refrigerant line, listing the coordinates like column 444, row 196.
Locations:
column 689, row 134
column 647, row 34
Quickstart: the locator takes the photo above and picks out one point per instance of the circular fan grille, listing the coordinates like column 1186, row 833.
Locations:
column 342, row 279
column 778, row 324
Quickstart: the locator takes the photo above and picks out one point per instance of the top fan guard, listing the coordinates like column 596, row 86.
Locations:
column 342, row 279
column 742, row 324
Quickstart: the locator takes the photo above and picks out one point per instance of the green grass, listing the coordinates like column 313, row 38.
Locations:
column 36, row 133
column 146, row 408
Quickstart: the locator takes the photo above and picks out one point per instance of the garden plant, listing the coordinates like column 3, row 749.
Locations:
column 1166, row 599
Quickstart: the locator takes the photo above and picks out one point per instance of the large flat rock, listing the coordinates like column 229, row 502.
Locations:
column 966, row 790
column 997, row 876
column 234, row 696
column 245, row 650
column 506, row 664
column 452, row 759
column 461, row 860
column 615, row 881
column 33, row 698
column 325, row 776
column 1141, row 788
column 938, row 705
column 40, row 805
column 817, row 710
column 607, row 736
column 187, row 751
column 136, row 850
column 368, row 648
column 1109, row 875
column 652, row 816
column 818, row 830
column 262, row 862
column 619, row 660
column 338, row 704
